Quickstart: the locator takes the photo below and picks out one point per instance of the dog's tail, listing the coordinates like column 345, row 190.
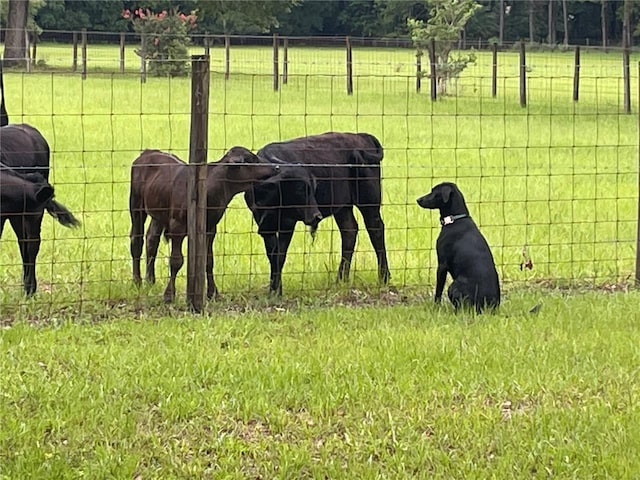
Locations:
column 62, row 214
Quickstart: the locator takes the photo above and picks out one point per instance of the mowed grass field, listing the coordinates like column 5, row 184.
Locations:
column 557, row 179
column 100, row 379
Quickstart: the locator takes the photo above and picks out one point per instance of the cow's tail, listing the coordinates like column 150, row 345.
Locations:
column 62, row 214
column 373, row 153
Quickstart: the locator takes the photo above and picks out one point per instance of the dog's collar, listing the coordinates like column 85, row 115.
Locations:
column 450, row 219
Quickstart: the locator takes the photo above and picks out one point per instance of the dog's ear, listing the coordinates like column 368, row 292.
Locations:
column 446, row 193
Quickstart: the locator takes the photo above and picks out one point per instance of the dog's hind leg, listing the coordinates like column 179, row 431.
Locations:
column 458, row 293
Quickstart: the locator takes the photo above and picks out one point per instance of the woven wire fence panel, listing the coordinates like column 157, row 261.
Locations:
column 555, row 182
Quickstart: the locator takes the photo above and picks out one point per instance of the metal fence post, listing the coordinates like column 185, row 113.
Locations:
column 349, row 67
column 197, row 183
column 523, row 75
column 433, row 69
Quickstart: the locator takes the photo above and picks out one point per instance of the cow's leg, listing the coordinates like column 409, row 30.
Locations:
column 154, row 233
column 284, row 240
column 175, row 264
column 375, row 228
column 27, row 229
column 138, row 218
column 212, row 289
column 271, row 247
column 349, row 232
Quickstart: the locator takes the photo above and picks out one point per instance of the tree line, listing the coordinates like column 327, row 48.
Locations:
column 554, row 22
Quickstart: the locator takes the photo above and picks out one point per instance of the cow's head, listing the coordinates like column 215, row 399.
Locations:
column 242, row 166
column 290, row 194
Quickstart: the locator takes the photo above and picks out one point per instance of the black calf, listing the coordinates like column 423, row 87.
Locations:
column 346, row 168
column 24, row 152
column 277, row 205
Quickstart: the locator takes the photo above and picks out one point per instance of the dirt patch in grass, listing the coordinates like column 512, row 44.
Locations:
column 38, row 312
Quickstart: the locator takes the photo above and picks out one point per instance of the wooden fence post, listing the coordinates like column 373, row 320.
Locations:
column 74, row 63
column 84, row 53
column 349, row 67
column 143, row 60
column 197, row 183
column 34, row 48
column 418, row 70
column 523, row 76
column 276, row 69
column 494, row 71
column 285, row 61
column 27, row 50
column 433, row 70
column 122, row 52
column 207, row 46
column 227, row 57
column 576, row 75
column 638, row 192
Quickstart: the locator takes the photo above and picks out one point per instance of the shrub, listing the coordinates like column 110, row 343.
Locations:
column 164, row 39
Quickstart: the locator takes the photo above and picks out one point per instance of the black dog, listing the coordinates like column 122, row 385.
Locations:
column 462, row 251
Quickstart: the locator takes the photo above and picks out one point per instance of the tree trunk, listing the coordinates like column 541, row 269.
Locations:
column 532, row 9
column 15, row 48
column 551, row 24
column 565, row 21
column 603, row 23
column 501, row 33
column 626, row 24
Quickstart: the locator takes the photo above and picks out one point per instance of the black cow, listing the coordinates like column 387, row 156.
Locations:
column 277, row 205
column 21, row 195
column 346, row 169
column 25, row 152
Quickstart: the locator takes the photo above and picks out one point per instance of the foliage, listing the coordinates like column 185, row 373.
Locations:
column 103, row 16
column 164, row 39
column 246, row 17
column 377, row 18
column 446, row 20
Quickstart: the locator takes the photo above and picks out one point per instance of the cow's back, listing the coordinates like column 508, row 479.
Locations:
column 23, row 148
column 157, row 181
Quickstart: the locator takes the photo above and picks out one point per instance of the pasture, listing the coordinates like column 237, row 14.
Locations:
column 101, row 379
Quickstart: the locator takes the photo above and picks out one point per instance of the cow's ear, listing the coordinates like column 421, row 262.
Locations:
column 446, row 193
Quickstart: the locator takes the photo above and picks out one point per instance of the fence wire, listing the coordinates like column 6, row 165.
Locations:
column 553, row 186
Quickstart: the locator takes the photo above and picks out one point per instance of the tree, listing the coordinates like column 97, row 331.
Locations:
column 15, row 45
column 447, row 18
column 246, row 17
column 565, row 22
column 551, row 24
column 603, row 19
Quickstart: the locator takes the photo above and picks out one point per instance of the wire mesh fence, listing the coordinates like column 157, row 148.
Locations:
column 553, row 186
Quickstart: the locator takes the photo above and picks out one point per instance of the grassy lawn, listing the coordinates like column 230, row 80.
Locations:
column 329, row 392
column 556, row 178
column 101, row 380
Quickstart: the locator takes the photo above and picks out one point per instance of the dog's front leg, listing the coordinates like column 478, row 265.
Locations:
column 441, row 276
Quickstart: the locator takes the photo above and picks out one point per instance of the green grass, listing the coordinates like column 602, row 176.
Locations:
column 101, row 380
column 557, row 177
column 329, row 392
